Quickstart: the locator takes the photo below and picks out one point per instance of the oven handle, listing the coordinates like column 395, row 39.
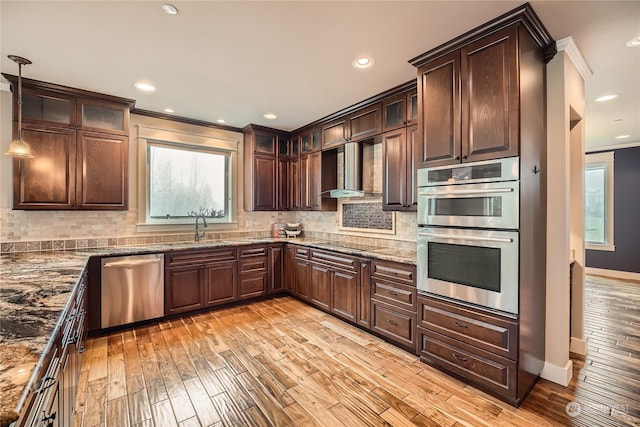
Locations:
column 476, row 238
column 449, row 192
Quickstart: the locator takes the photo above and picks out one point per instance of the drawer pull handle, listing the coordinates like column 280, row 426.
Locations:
column 395, row 294
column 460, row 325
column 460, row 358
column 392, row 322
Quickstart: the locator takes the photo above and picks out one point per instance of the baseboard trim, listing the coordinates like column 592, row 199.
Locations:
column 578, row 346
column 616, row 274
column 558, row 374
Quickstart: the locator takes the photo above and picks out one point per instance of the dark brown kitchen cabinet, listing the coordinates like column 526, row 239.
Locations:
column 254, row 271
column 362, row 124
column 310, row 181
column 335, row 283
column 393, row 302
column 480, row 347
column 290, row 269
column 400, row 111
column 283, row 181
column 303, row 279
column 81, row 149
column 276, row 268
column 399, row 186
column 469, row 99
column 265, row 170
column 195, row 279
column 95, row 188
column 320, row 294
column 51, row 400
column 294, row 184
column 364, row 299
column 310, row 139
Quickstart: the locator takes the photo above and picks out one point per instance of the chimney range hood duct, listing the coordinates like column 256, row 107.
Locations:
column 352, row 175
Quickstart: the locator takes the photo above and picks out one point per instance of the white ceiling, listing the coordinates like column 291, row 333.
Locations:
column 238, row 60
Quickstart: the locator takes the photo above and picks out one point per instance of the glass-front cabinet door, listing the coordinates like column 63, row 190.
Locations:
column 103, row 116
column 44, row 107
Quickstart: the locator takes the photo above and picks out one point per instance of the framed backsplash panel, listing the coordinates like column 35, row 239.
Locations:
column 366, row 216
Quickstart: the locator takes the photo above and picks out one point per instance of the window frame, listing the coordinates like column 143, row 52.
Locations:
column 593, row 161
column 224, row 142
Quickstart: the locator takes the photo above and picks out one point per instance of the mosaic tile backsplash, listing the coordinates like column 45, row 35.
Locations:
column 368, row 216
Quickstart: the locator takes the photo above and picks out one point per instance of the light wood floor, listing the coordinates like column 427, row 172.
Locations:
column 281, row 362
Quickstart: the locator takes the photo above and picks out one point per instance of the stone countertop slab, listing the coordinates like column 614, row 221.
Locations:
column 35, row 288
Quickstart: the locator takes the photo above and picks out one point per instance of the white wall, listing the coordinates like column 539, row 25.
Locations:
column 565, row 92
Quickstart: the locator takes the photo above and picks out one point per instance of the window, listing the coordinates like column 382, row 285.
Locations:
column 181, row 175
column 598, row 201
column 185, row 182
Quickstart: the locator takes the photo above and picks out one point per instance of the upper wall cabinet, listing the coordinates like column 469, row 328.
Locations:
column 400, row 111
column 361, row 124
column 261, row 167
column 81, row 148
column 469, row 90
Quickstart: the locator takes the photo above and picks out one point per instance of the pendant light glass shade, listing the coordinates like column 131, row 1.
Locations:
column 19, row 148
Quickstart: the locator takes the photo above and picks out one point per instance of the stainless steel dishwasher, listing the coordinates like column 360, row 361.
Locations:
column 132, row 289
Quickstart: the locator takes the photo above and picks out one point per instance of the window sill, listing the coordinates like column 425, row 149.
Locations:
column 149, row 228
column 609, row 248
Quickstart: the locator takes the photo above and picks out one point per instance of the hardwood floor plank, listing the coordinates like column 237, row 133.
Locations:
column 263, row 400
column 205, row 410
column 117, row 412
column 321, row 415
column 191, row 422
column 228, row 411
column 233, row 387
column 139, row 407
column 156, row 390
column 163, row 414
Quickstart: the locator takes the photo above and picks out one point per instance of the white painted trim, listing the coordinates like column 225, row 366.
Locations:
column 613, row 147
column 592, row 247
column 571, row 49
column 558, row 374
column 4, row 86
column 578, row 346
column 616, row 274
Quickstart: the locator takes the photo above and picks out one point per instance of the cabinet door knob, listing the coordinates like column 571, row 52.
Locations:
column 392, row 322
column 460, row 325
column 465, row 156
column 460, row 358
column 457, row 157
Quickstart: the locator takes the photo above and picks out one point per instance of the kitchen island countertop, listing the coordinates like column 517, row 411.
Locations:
column 35, row 288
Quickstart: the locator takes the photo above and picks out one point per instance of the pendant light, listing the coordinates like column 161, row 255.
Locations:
column 19, row 148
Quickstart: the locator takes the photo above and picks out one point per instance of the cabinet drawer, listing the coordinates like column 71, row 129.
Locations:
column 199, row 256
column 485, row 369
column 491, row 333
column 394, row 293
column 253, row 286
column 255, row 265
column 394, row 323
column 253, row 252
column 334, row 259
column 302, row 252
column 404, row 273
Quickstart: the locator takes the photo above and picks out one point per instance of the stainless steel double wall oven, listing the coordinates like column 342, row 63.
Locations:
column 468, row 238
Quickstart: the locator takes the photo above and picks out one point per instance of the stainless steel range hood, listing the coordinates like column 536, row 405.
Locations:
column 352, row 173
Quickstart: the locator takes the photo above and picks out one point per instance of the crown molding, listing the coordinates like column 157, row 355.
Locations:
column 571, row 49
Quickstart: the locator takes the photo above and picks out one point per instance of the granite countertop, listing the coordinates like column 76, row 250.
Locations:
column 35, row 288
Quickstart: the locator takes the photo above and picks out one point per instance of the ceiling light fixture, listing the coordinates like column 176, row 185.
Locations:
column 269, row 116
column 623, row 136
column 146, row 87
column 221, row 121
column 605, row 98
column 362, row 62
column 19, row 148
column 169, row 9
column 618, row 120
column 635, row 42
column 168, row 110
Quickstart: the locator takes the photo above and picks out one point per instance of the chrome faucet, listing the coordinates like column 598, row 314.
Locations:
column 199, row 235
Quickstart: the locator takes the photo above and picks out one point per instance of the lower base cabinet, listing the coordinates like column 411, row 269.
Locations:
column 478, row 347
column 394, row 323
column 51, row 402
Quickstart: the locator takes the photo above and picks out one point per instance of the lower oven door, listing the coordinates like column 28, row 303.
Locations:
column 475, row 266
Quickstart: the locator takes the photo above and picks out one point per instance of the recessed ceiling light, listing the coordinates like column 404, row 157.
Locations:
column 269, row 116
column 618, row 120
column 145, row 87
column 623, row 136
column 221, row 121
column 168, row 110
column 605, row 98
column 170, row 9
column 634, row 42
column 362, row 62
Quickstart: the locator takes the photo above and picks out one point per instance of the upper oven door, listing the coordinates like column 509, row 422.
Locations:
column 486, row 205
